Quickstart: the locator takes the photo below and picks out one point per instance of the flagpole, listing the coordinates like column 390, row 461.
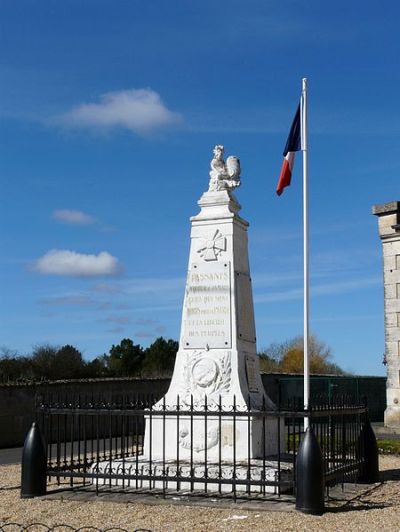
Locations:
column 305, row 249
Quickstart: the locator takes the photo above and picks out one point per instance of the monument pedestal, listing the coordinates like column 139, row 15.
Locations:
column 217, row 363
column 143, row 474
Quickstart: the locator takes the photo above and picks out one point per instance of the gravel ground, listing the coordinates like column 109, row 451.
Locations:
column 378, row 508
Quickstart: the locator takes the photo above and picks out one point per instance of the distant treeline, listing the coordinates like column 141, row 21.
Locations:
column 48, row 362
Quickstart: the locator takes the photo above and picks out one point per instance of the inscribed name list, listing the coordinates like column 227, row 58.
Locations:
column 207, row 307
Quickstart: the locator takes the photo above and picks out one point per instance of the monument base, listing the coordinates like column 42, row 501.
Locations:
column 392, row 417
column 243, row 477
column 212, row 438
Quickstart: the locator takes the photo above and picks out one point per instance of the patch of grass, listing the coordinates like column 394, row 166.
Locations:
column 388, row 446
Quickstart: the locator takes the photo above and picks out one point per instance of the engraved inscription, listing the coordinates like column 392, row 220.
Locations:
column 252, row 374
column 207, row 308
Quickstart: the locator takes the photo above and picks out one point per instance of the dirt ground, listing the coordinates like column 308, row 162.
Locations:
column 377, row 508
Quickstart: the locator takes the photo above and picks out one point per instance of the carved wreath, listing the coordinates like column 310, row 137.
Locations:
column 206, row 376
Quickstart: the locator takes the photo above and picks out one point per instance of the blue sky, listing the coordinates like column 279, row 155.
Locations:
column 109, row 111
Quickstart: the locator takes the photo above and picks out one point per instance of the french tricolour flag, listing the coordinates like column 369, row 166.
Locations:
column 294, row 143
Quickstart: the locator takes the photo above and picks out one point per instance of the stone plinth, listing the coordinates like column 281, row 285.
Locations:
column 389, row 232
column 217, row 362
column 257, row 471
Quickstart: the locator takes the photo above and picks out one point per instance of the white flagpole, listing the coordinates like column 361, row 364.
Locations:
column 304, row 148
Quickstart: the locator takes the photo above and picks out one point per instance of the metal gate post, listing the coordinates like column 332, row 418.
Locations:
column 369, row 453
column 34, row 461
column 310, row 497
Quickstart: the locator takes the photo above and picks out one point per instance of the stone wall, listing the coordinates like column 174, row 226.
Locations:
column 17, row 402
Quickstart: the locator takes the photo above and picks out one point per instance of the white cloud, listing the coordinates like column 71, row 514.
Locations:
column 69, row 216
column 138, row 110
column 65, row 262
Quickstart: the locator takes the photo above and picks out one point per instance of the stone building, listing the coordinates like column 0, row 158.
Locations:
column 389, row 232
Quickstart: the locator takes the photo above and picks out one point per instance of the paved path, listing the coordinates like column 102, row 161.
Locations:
column 10, row 456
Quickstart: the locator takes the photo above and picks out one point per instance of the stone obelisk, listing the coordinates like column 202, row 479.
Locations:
column 389, row 232
column 217, row 363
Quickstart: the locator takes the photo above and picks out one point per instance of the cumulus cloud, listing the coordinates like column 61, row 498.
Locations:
column 138, row 110
column 71, row 263
column 69, row 216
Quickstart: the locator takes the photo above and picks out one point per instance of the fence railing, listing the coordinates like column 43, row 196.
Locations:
column 195, row 446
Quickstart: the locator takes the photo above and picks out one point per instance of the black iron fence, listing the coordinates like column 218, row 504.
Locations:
column 195, row 445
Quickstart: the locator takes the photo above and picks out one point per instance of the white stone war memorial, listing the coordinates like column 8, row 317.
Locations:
column 217, row 367
column 217, row 362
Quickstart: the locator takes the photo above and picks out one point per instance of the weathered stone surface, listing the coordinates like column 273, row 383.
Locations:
column 386, row 208
column 257, row 470
column 389, row 215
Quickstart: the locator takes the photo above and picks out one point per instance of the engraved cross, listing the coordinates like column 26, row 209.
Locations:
column 210, row 248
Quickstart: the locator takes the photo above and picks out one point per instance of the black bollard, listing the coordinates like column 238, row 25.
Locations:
column 369, row 453
column 33, row 475
column 310, row 486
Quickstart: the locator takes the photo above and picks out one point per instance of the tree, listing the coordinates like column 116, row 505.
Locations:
column 44, row 362
column 98, row 367
column 268, row 364
column 14, row 367
column 125, row 359
column 160, row 357
column 69, row 363
column 270, row 357
column 53, row 363
column 292, row 361
column 288, row 357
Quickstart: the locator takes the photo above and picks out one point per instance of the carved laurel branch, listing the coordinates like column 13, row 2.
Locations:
column 226, row 371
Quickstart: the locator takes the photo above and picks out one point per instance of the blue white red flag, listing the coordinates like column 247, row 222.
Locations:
column 293, row 144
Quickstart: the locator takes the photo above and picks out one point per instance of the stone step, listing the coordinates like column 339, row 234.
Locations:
column 226, row 475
